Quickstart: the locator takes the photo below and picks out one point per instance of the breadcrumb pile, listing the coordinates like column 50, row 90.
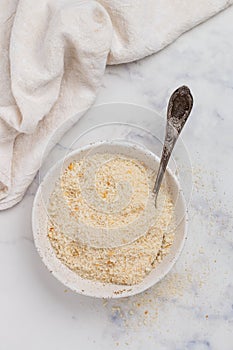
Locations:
column 126, row 264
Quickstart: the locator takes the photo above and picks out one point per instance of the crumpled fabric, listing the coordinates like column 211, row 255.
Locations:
column 53, row 55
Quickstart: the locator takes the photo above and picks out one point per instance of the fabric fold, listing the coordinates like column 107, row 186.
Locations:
column 5, row 167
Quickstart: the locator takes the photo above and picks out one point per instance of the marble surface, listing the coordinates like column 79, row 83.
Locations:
column 192, row 308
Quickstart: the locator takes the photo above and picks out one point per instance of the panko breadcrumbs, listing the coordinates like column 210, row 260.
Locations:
column 125, row 264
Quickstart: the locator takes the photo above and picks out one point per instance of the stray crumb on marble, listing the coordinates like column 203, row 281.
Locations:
column 142, row 310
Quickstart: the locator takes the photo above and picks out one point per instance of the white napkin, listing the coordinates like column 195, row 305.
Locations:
column 53, row 55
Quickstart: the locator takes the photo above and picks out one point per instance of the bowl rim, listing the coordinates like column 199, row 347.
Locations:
column 126, row 289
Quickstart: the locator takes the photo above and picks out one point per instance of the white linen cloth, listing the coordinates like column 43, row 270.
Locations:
column 53, row 55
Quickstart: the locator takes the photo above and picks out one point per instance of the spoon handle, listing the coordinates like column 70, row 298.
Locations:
column 178, row 111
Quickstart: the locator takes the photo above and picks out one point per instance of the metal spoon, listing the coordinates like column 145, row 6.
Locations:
column 178, row 111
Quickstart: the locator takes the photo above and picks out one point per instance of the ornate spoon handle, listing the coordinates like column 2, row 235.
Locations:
column 178, row 111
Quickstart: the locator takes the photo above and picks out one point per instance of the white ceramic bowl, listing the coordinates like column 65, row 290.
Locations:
column 69, row 278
